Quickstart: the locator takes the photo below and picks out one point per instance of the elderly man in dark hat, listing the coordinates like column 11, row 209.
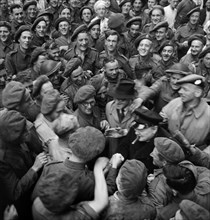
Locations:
column 30, row 9
column 189, row 112
column 185, row 31
column 82, row 49
column 6, row 42
column 18, row 166
column 139, row 142
column 94, row 32
column 143, row 64
column 196, row 42
column 165, row 89
column 19, row 59
column 128, row 203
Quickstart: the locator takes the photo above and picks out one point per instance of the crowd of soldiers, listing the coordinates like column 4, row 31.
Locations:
column 105, row 109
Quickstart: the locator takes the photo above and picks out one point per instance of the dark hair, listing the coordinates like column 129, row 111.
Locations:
column 14, row 6
column 51, row 44
column 179, row 178
column 108, row 60
column 111, row 33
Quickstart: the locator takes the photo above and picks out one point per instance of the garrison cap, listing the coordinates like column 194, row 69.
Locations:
column 80, row 29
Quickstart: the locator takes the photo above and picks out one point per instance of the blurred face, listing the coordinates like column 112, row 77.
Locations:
column 196, row 47
column 187, row 92
column 156, row 159
column 40, row 60
column 58, row 111
column 122, row 103
column 54, row 54
column 107, row 2
column 4, row 34
column 174, row 3
column 55, row 78
column 111, row 43
column 151, row 4
column 86, row 15
column 173, row 79
column 126, row 8
column 47, row 20
column 74, row 3
column 137, row 5
column 41, row 29
column 156, row 16
column 87, row 106
column 45, row 88
column 18, row 14
column 206, row 60
column 144, row 47
column 25, row 40
column 160, row 34
column 134, row 30
column 66, row 13
column 101, row 11
column 54, row 3
column 112, row 69
column 144, row 132
column 63, row 28
column 3, row 78
column 3, row 5
column 194, row 18
column 208, row 4
column 167, row 53
column 77, row 76
column 31, row 11
column 82, row 41
column 208, row 33
column 91, row 3
column 95, row 31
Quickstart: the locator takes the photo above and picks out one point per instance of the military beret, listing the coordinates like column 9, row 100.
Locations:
column 83, row 8
column 36, row 22
column 86, row 143
column 193, row 79
column 165, row 44
column 146, row 116
column 84, row 93
column 49, row 67
column 132, row 178
column 199, row 37
column 93, row 23
column 58, row 190
column 20, row 30
column 59, row 20
column 45, row 13
column 27, row 4
column 13, row 94
column 80, row 29
column 123, row 2
column 196, row 9
column 142, row 37
column 204, row 52
column 169, row 150
column 12, row 125
column 116, row 20
column 38, row 83
column 5, row 24
column 72, row 65
column 14, row 6
column 179, row 68
column 100, row 3
column 157, row 7
column 132, row 20
column 160, row 25
column 65, row 123
column 193, row 211
column 35, row 54
column 49, row 102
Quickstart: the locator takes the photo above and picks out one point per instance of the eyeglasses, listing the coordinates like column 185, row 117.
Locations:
column 86, row 104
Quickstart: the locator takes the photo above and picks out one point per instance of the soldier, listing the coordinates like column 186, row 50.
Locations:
column 125, row 6
column 82, row 49
column 30, row 9
column 53, row 9
column 185, row 31
column 134, row 27
column 86, row 14
column 4, row 10
column 19, row 59
column 17, row 17
column 94, row 32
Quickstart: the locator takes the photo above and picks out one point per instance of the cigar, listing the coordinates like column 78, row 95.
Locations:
column 135, row 140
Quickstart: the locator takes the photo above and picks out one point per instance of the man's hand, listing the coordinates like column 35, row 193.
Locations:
column 10, row 213
column 40, row 161
column 116, row 160
column 136, row 104
column 104, row 125
column 101, row 163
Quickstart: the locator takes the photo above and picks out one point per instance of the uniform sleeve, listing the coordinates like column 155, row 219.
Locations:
column 9, row 65
column 13, row 186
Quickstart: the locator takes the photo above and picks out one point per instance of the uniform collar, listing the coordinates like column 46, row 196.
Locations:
column 74, row 165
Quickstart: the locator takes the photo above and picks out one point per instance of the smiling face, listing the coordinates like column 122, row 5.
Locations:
column 112, row 69
column 86, row 107
column 32, row 11
column 173, row 80
column 160, row 34
column 196, row 47
column 144, row 47
column 187, row 92
column 41, row 29
column 194, row 18
column 167, row 53
column 137, row 5
column 25, row 40
column 63, row 28
column 18, row 14
column 82, row 41
column 156, row 16
column 77, row 76
column 4, row 34
column 66, row 13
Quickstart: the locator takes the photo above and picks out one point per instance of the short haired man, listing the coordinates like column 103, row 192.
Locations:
column 94, row 32
column 30, row 9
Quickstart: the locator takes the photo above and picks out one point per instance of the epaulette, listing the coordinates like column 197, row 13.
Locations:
column 53, row 162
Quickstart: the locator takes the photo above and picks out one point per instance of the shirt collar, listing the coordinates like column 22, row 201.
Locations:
column 74, row 165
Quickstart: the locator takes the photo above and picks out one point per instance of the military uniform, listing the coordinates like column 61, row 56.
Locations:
column 38, row 41
column 188, row 59
column 132, row 49
column 89, row 62
column 15, row 26
column 17, row 61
